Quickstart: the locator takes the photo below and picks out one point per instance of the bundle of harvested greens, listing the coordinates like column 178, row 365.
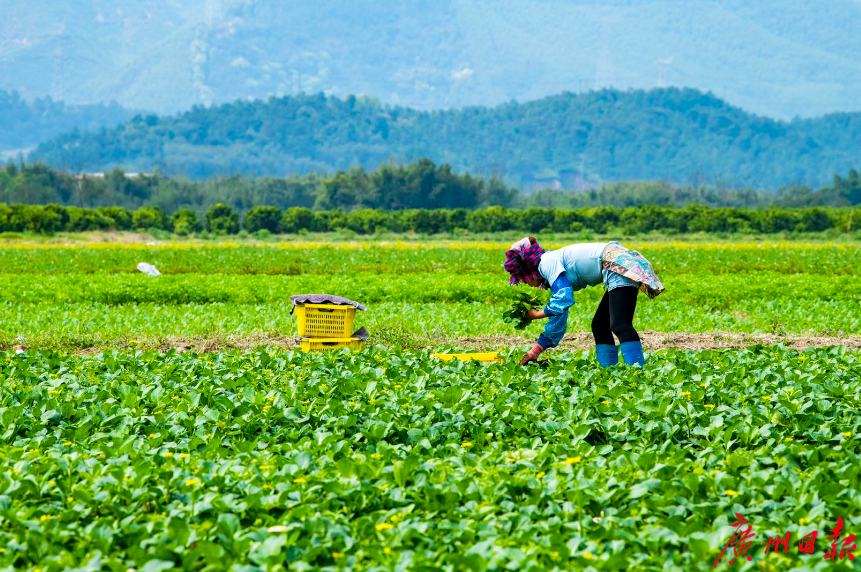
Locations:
column 524, row 300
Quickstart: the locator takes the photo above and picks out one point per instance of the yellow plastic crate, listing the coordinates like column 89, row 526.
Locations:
column 487, row 357
column 321, row 344
column 325, row 320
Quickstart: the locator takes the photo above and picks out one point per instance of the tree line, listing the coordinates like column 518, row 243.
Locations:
column 221, row 219
column 421, row 185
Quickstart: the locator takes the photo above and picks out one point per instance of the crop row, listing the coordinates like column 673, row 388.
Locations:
column 719, row 291
column 83, row 325
column 379, row 460
column 407, row 258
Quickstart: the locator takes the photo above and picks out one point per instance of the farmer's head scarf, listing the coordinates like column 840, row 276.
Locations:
column 521, row 262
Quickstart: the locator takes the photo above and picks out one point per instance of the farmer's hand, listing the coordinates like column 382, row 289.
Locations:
column 531, row 355
column 534, row 314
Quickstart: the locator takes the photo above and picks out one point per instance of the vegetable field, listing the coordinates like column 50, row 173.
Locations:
column 385, row 460
column 120, row 457
column 84, row 297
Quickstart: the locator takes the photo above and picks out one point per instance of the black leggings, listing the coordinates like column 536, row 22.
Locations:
column 615, row 315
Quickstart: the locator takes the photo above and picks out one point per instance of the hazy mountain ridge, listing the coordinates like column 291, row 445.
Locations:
column 568, row 140
column 775, row 58
column 27, row 123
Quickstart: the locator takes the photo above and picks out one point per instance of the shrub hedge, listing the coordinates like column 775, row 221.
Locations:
column 629, row 220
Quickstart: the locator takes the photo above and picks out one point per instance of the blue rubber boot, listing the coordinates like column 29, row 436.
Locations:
column 607, row 354
column 632, row 353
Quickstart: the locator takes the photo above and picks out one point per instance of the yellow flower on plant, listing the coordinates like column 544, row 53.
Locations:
column 542, row 389
column 398, row 386
column 606, row 402
column 52, row 483
column 183, row 456
column 337, row 555
column 168, row 454
column 572, row 460
column 709, row 406
column 731, row 493
column 766, row 397
column 587, row 555
column 192, row 482
column 430, row 396
column 803, row 521
column 466, row 445
column 300, row 481
column 265, row 467
column 375, row 455
column 387, row 550
column 384, row 526
column 686, row 394
column 847, row 433
column 539, row 475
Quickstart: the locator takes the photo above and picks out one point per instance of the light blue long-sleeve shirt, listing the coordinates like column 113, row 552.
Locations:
column 580, row 263
column 567, row 270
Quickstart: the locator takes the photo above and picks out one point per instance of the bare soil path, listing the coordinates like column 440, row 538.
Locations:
column 578, row 341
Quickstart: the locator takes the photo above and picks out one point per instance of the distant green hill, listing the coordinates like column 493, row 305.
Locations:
column 779, row 58
column 24, row 124
column 566, row 141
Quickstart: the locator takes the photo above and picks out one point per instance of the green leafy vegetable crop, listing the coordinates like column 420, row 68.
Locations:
column 525, row 299
column 381, row 460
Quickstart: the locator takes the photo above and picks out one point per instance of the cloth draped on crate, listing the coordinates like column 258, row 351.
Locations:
column 633, row 265
column 323, row 299
column 361, row 333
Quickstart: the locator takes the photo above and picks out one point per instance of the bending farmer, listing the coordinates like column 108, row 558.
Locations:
column 623, row 272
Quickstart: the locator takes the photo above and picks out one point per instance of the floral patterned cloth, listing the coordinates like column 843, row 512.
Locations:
column 634, row 266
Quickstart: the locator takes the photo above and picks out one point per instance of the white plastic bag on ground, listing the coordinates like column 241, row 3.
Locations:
column 148, row 269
